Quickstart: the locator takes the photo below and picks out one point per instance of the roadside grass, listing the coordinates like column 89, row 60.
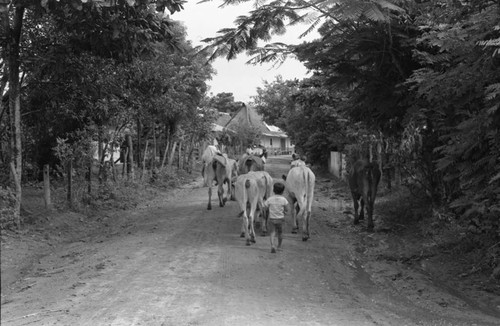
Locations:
column 437, row 236
column 123, row 193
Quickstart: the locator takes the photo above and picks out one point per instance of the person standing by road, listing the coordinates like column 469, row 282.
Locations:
column 277, row 206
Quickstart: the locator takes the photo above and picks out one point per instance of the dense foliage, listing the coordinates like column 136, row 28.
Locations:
column 417, row 80
column 92, row 72
column 222, row 102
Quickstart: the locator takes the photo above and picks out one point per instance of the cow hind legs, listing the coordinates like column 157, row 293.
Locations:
column 370, row 224
column 355, row 199
column 362, row 210
column 209, row 206
column 251, row 240
column 263, row 226
column 305, row 227
column 295, row 214
column 222, row 199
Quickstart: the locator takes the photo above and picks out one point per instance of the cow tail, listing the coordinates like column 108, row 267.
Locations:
column 248, row 164
column 306, row 181
column 309, row 196
column 371, row 170
column 247, row 183
column 266, row 196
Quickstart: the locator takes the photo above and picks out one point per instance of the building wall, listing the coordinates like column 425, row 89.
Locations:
column 274, row 145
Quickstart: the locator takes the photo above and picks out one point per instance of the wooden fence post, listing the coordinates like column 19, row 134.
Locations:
column 46, row 187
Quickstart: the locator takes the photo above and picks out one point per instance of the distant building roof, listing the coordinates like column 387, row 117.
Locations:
column 247, row 115
column 223, row 119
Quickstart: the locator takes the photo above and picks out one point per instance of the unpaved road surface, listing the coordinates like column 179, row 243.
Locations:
column 172, row 262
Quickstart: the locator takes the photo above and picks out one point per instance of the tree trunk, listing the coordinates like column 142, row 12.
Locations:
column 89, row 178
column 388, row 170
column 167, row 145
column 112, row 161
column 144, row 160
column 70, row 182
column 13, row 37
column 130, row 157
column 125, row 163
column 165, row 154
column 101, row 155
column 46, row 187
column 179, row 157
column 153, row 162
column 189, row 157
column 17, row 204
column 139, row 140
column 172, row 154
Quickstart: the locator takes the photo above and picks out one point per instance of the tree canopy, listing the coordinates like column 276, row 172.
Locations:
column 420, row 77
column 98, row 68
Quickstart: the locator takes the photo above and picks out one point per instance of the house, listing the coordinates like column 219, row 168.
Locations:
column 273, row 138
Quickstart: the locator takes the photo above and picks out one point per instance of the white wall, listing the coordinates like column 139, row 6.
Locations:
column 276, row 146
column 337, row 165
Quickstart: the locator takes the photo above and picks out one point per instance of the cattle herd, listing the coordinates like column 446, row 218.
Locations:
column 250, row 185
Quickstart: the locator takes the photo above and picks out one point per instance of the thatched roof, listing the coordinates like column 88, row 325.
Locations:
column 248, row 116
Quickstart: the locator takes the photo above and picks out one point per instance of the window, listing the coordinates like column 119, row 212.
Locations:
column 271, row 142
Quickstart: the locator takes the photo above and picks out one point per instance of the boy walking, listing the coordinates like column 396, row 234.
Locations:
column 278, row 208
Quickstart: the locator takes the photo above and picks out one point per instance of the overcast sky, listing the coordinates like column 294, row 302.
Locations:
column 203, row 20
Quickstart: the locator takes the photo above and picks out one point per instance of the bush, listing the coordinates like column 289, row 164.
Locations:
column 7, row 203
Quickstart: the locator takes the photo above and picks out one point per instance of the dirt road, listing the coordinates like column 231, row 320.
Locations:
column 172, row 262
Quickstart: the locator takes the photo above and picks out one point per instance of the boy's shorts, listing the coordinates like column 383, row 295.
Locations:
column 276, row 224
column 276, row 221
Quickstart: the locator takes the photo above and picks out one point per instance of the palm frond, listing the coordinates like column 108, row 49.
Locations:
column 312, row 27
column 374, row 13
column 389, row 5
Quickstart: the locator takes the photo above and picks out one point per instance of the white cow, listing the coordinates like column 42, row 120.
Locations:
column 297, row 162
column 300, row 192
column 251, row 190
column 219, row 168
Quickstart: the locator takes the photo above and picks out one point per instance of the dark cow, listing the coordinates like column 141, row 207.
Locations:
column 249, row 163
column 363, row 181
column 261, row 152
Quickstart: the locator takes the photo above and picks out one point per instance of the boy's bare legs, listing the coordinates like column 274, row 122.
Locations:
column 272, row 236
column 279, row 230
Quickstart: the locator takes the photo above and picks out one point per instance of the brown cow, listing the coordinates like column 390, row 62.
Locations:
column 249, row 163
column 363, row 181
